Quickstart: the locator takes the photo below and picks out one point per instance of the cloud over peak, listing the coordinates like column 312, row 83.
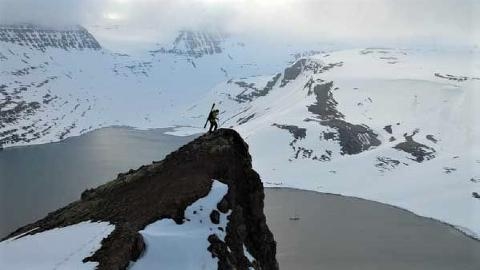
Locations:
column 436, row 20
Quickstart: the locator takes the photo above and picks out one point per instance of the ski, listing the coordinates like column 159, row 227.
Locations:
column 211, row 109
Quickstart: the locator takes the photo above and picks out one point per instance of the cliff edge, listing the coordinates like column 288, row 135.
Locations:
column 164, row 190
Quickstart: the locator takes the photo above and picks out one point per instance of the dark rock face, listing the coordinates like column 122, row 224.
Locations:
column 164, row 190
column 386, row 163
column 292, row 72
column 455, row 78
column 245, row 119
column 215, row 217
column 325, row 106
column 431, row 138
column 419, row 151
column 352, row 138
column 388, row 129
column 15, row 108
column 449, row 170
column 41, row 38
column 297, row 132
column 194, row 44
column 328, row 135
column 254, row 92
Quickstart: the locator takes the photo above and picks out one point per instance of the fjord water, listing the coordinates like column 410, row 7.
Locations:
column 336, row 233
column 35, row 180
column 332, row 232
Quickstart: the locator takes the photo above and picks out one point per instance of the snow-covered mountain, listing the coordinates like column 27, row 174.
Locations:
column 55, row 86
column 35, row 37
column 195, row 44
column 390, row 125
column 397, row 126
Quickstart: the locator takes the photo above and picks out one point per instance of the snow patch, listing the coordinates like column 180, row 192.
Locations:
column 59, row 248
column 184, row 246
column 249, row 256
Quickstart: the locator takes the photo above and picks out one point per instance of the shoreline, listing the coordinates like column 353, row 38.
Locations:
column 164, row 131
column 336, row 232
column 465, row 231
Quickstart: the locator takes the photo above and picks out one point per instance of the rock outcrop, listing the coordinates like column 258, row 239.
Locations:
column 195, row 44
column 164, row 190
column 41, row 38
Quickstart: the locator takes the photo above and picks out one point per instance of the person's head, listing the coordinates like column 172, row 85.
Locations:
column 216, row 110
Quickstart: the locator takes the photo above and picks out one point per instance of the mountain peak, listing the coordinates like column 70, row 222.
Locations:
column 43, row 37
column 195, row 44
column 164, row 190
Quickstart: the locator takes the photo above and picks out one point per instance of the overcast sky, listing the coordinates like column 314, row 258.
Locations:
column 450, row 21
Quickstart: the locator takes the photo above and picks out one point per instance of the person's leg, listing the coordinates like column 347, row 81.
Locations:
column 211, row 126
column 215, row 126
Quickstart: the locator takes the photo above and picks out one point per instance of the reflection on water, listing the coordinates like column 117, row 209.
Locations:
column 338, row 233
column 35, row 180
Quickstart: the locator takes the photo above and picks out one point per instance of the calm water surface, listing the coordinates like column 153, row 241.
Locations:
column 342, row 233
column 333, row 232
column 35, row 180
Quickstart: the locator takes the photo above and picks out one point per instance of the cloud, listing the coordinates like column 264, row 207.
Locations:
column 64, row 12
column 452, row 21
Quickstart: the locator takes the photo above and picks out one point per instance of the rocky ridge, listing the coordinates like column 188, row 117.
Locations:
column 41, row 38
column 165, row 189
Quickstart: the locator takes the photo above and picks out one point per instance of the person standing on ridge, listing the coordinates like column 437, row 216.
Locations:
column 212, row 118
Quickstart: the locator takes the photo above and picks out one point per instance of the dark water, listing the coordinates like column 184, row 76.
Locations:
column 333, row 232
column 35, row 180
column 338, row 233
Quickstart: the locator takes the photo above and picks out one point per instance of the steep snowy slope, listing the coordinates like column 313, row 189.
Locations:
column 54, row 84
column 395, row 126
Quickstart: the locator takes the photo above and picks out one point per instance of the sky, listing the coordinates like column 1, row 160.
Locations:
column 436, row 21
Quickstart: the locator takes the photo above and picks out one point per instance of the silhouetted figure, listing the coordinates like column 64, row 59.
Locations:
column 212, row 118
